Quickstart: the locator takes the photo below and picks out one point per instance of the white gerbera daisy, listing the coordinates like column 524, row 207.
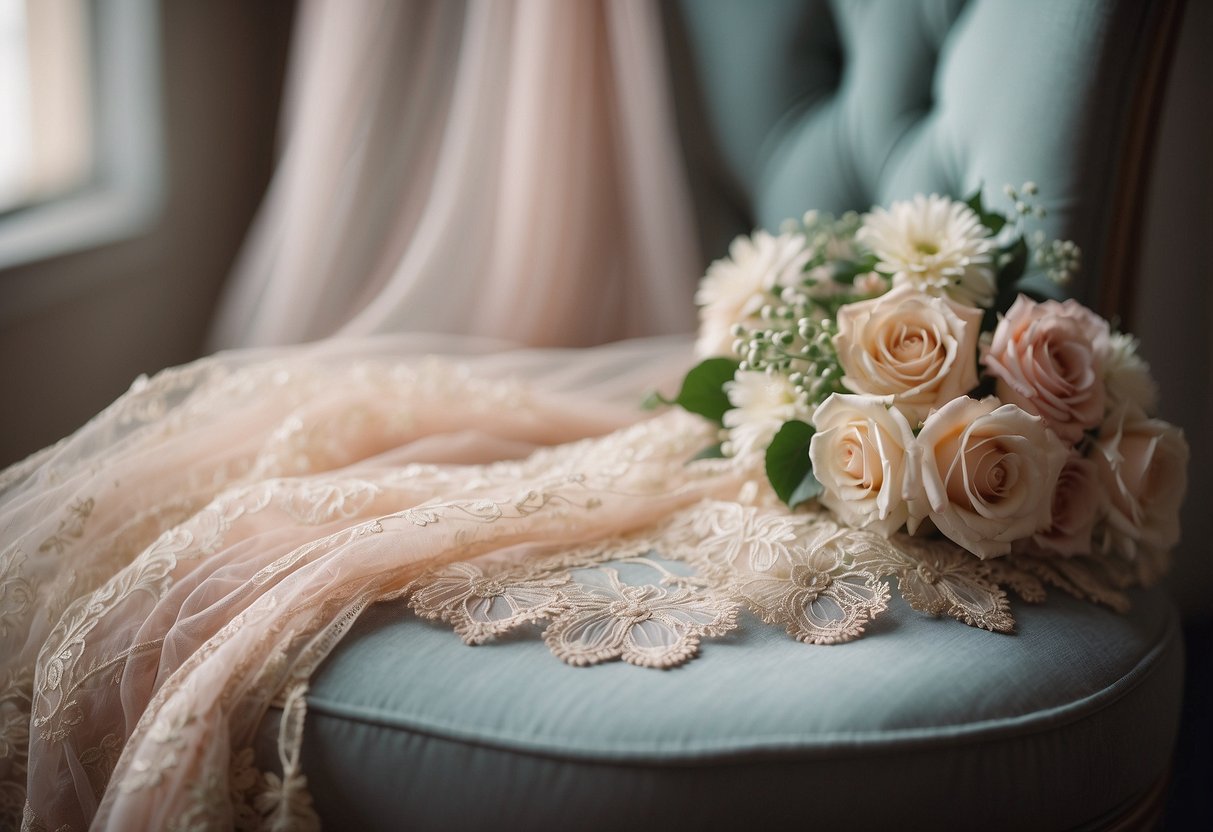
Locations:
column 1127, row 378
column 761, row 404
column 738, row 286
column 935, row 244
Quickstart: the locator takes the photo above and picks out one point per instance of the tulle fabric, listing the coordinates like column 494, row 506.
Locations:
column 506, row 168
column 197, row 549
column 503, row 169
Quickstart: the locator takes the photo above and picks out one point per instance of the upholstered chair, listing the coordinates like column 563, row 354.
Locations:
column 787, row 105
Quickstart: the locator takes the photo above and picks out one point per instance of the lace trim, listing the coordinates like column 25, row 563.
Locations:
column 821, row 581
column 645, row 625
column 593, row 614
column 822, row 599
column 482, row 606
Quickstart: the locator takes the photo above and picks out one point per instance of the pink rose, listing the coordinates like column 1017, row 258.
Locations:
column 1143, row 466
column 1048, row 359
column 919, row 349
column 1076, row 502
column 986, row 474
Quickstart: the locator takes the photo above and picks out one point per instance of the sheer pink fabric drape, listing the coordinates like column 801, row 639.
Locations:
column 508, row 168
column 197, row 549
column 503, row 168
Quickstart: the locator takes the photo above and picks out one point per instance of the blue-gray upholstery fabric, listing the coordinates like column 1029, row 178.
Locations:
column 922, row 721
column 789, row 105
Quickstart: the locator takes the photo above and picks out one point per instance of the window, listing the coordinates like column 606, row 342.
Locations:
column 80, row 147
column 46, row 144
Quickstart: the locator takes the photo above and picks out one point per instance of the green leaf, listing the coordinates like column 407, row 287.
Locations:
column 703, row 389
column 994, row 222
column 1014, row 264
column 809, row 488
column 710, row 452
column 845, row 271
column 989, row 219
column 654, row 400
column 788, row 466
column 974, row 202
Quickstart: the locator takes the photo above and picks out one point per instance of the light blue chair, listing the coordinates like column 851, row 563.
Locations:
column 1069, row 724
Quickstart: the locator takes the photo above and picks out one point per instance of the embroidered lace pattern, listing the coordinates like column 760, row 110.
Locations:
column 614, row 548
column 803, row 572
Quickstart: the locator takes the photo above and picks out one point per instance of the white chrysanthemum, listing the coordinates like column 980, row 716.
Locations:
column 935, row 244
column 736, row 287
column 1127, row 379
column 761, row 404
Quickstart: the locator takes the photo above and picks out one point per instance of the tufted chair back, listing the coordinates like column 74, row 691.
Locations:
column 788, row 105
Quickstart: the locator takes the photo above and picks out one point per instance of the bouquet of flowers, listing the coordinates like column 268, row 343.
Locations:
column 889, row 366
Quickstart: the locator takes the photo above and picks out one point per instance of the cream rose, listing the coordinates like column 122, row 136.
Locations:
column 859, row 454
column 919, row 349
column 1076, row 503
column 1048, row 359
column 1143, row 466
column 986, row 474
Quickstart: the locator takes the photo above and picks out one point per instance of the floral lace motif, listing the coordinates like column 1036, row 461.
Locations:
column 821, row 581
column 645, row 625
column 594, row 615
column 482, row 606
column 822, row 599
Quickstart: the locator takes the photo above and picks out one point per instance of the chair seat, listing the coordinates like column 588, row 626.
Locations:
column 1066, row 724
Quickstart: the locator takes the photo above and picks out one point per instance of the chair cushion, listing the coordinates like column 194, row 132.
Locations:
column 920, row 722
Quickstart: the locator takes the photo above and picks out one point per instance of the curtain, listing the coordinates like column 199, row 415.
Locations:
column 505, row 168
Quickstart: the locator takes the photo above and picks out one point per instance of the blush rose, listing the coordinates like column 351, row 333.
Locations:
column 1142, row 464
column 1075, row 507
column 1048, row 359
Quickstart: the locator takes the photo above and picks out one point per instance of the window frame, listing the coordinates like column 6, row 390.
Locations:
column 124, row 195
